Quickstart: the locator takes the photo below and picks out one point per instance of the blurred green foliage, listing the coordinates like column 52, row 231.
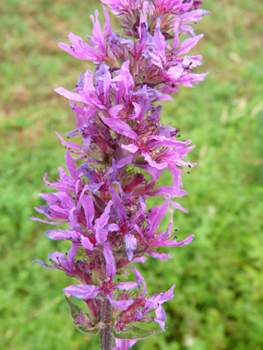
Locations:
column 218, row 301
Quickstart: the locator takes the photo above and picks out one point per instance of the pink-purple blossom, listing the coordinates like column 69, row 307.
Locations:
column 114, row 158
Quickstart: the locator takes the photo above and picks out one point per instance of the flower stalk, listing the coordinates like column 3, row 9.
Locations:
column 114, row 158
column 106, row 335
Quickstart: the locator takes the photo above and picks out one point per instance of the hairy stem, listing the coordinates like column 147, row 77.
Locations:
column 105, row 332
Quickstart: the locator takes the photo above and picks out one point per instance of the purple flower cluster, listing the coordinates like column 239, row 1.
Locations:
column 124, row 150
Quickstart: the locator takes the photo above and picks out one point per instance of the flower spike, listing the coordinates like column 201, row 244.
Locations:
column 119, row 151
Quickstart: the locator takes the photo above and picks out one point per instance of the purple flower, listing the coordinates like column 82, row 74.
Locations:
column 102, row 193
column 142, row 309
column 107, row 286
column 98, row 51
column 157, row 239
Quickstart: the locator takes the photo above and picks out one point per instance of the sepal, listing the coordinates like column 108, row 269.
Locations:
column 81, row 320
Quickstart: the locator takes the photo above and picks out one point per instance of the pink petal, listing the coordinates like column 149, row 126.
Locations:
column 178, row 206
column 70, row 95
column 159, row 41
column 71, row 166
column 131, row 245
column 131, row 148
column 126, row 285
column 87, row 204
column 100, row 223
column 160, row 316
column 124, row 161
column 188, row 44
column 86, row 243
column 110, row 261
column 62, row 234
column 122, row 304
column 47, row 222
column 68, row 144
column 158, row 255
column 140, row 280
column 119, row 127
column 82, row 291
column 141, row 259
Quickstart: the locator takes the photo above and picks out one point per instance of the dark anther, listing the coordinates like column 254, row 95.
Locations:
column 71, row 47
column 188, row 172
column 189, row 166
column 173, row 85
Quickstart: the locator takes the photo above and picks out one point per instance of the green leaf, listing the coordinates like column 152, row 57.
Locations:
column 81, row 320
column 84, row 330
column 135, row 333
column 74, row 309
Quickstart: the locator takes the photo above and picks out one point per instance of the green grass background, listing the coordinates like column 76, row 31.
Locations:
column 218, row 301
